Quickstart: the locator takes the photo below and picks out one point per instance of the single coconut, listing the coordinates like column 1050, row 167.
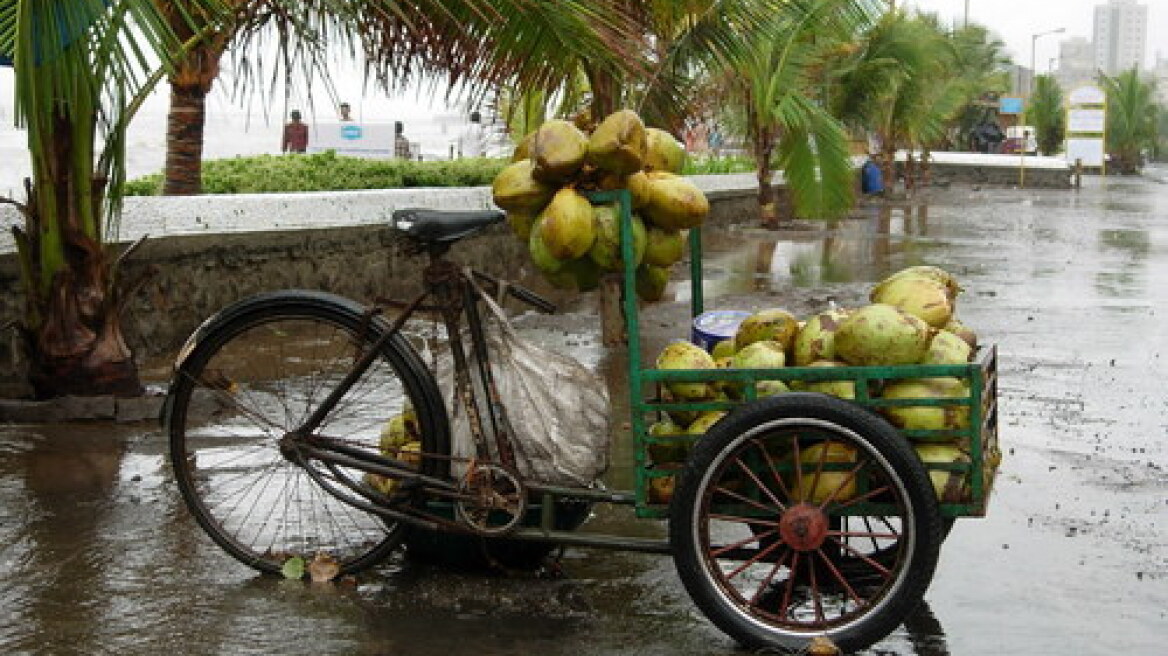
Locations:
column 685, row 355
column 936, row 274
column 523, row 148
column 927, row 417
column 606, row 250
column 618, row 143
column 773, row 324
column 844, row 389
column 920, row 297
column 766, row 354
column 816, row 485
column 394, row 434
column 704, row 422
column 663, row 152
column 682, row 418
column 514, row 189
column 951, row 486
column 957, row 327
column 723, row 349
column 580, row 274
column 947, row 348
column 558, row 151
column 664, row 247
column 765, row 388
column 880, row 334
column 816, row 337
column 638, row 186
column 651, row 282
column 541, row 255
column 566, row 225
column 668, row 451
column 521, row 222
column 675, row 203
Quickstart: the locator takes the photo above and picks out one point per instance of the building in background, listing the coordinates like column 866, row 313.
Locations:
column 1076, row 62
column 1160, row 77
column 1121, row 35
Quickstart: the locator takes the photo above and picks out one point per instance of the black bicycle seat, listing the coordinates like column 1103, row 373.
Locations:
column 443, row 226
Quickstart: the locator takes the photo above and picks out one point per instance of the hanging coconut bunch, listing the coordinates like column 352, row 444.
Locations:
column 573, row 242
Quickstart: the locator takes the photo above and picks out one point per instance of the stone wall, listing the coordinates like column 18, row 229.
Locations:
column 944, row 175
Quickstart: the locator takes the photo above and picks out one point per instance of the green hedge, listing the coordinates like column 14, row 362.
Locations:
column 327, row 172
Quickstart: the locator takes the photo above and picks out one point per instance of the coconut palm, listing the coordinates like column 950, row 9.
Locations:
column 475, row 45
column 1047, row 115
column 1131, row 120
column 778, row 83
column 77, row 87
column 899, row 83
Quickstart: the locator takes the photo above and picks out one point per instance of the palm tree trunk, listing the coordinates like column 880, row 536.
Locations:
column 74, row 336
column 184, row 140
column 767, row 202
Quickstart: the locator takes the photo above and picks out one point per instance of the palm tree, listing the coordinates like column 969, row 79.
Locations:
column 981, row 63
column 1131, row 120
column 476, row 45
column 900, row 85
column 1046, row 114
column 778, row 82
column 77, row 87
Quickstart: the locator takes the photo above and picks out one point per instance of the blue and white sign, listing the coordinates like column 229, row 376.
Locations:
column 373, row 140
column 1010, row 105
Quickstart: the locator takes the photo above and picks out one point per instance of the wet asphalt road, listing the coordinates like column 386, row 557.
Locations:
column 98, row 556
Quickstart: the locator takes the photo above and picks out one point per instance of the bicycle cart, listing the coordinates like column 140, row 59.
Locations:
column 305, row 425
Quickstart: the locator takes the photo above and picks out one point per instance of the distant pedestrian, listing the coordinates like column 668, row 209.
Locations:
column 715, row 140
column 295, row 135
column 473, row 140
column 401, row 145
column 346, row 110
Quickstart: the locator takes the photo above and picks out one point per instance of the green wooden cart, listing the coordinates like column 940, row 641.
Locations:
column 793, row 516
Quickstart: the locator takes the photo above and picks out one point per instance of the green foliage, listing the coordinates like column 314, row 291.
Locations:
column 1047, row 115
column 718, row 165
column 1131, row 119
column 328, row 171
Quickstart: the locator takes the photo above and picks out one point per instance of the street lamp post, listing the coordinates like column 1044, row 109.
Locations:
column 1033, row 42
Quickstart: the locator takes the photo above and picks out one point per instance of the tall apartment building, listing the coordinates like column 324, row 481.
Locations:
column 1076, row 62
column 1121, row 35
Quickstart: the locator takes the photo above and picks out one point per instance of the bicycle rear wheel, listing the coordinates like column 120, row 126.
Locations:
column 256, row 371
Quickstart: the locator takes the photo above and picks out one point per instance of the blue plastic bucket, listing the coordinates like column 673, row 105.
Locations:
column 709, row 328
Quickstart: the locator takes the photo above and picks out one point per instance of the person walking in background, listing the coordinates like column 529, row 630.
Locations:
column 401, row 145
column 473, row 140
column 346, row 110
column 295, row 135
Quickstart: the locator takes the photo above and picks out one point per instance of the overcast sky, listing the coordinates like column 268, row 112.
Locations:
column 1016, row 21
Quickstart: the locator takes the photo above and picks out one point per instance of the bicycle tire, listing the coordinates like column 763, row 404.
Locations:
column 776, row 553
column 252, row 373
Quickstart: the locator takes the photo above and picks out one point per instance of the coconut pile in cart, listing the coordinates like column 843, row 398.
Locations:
column 911, row 320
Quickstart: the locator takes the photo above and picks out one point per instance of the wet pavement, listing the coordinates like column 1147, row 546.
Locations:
column 98, row 555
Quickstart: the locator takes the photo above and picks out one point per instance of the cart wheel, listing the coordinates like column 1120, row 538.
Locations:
column 803, row 515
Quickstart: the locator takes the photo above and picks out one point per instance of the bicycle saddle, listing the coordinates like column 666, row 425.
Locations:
column 443, row 226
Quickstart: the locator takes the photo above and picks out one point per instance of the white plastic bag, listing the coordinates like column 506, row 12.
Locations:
column 556, row 409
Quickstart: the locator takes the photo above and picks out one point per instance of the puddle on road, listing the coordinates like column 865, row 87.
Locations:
column 100, row 555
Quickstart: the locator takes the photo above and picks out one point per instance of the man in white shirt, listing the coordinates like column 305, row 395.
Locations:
column 473, row 140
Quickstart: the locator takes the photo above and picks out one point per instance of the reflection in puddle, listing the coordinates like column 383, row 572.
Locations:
column 862, row 248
